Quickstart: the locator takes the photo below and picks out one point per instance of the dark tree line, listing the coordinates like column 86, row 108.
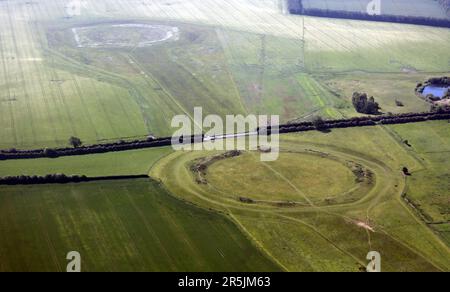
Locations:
column 59, row 179
column 318, row 124
column 368, row 121
column 48, row 179
column 296, row 7
column 84, row 150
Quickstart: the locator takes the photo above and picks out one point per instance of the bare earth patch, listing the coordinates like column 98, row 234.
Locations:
column 365, row 226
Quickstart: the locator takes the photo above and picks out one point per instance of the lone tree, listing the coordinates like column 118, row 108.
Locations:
column 75, row 142
column 406, row 171
column 365, row 105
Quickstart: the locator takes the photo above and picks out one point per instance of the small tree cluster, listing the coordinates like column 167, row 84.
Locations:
column 75, row 142
column 365, row 105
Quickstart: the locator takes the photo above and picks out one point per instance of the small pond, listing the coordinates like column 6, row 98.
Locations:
column 437, row 91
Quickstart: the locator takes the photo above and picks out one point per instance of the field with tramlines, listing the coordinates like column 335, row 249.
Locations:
column 254, row 60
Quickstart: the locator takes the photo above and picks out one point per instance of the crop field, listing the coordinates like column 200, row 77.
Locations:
column 279, row 206
column 118, row 226
column 421, row 8
column 122, row 69
column 66, row 76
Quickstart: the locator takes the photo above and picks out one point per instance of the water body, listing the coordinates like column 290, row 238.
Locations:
column 437, row 91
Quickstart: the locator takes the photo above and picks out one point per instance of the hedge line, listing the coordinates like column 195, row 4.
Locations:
column 296, row 7
column 367, row 121
column 161, row 142
column 92, row 149
column 59, row 179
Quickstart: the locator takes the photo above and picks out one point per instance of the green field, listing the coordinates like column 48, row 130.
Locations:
column 429, row 185
column 151, row 231
column 324, row 178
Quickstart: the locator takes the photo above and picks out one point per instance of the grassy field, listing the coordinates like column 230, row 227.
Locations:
column 386, row 88
column 311, row 236
column 430, row 142
column 230, row 58
column 135, row 162
column 324, row 178
column 118, row 226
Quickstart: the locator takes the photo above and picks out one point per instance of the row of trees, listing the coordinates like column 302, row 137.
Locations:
column 295, row 6
column 430, row 21
column 59, row 179
column 78, row 149
column 441, row 113
column 48, row 179
column 365, row 121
